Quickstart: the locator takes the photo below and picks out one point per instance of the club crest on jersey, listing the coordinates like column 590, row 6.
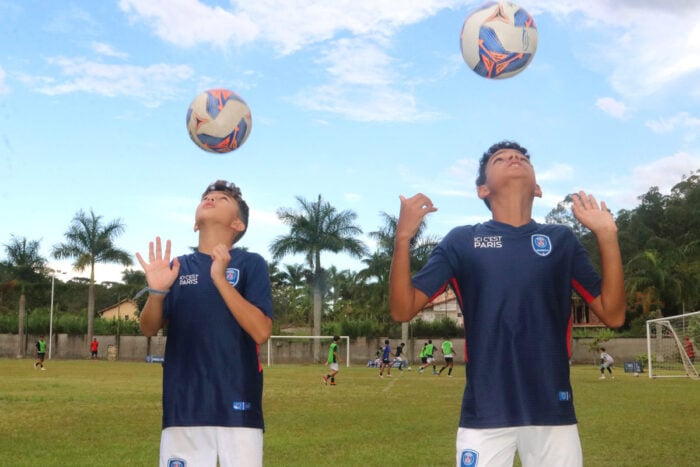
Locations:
column 541, row 244
column 176, row 463
column 469, row 458
column 232, row 275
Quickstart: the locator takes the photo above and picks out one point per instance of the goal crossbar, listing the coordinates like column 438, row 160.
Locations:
column 345, row 338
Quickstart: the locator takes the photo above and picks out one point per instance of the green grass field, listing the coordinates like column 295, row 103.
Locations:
column 89, row 413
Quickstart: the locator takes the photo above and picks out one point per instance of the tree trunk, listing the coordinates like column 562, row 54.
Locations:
column 317, row 321
column 91, row 308
column 20, row 326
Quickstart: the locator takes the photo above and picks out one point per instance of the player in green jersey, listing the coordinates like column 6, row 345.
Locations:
column 332, row 361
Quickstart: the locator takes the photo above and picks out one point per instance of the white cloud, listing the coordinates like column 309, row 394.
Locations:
column 358, row 67
column 107, row 50
column 648, row 46
column 187, row 23
column 682, row 121
column 4, row 89
column 664, row 173
column 153, row 83
column 557, row 172
column 611, row 106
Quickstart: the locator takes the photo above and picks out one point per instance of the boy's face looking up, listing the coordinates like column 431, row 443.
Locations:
column 503, row 168
column 222, row 204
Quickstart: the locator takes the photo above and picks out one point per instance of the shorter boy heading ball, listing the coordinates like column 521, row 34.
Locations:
column 219, row 120
column 498, row 40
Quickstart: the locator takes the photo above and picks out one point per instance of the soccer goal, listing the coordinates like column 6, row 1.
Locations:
column 299, row 349
column 670, row 353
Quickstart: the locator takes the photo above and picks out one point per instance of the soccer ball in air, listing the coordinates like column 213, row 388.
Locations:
column 218, row 120
column 498, row 40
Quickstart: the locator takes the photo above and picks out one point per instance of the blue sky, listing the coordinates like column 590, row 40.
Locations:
column 358, row 101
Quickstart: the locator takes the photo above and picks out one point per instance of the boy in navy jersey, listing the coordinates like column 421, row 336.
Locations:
column 513, row 279
column 217, row 306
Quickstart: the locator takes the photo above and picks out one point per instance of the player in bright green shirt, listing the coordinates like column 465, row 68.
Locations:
column 332, row 361
column 448, row 352
column 427, row 357
column 40, row 352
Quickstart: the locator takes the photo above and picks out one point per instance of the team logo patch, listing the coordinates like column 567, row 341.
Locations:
column 232, row 275
column 541, row 244
column 469, row 458
column 176, row 463
column 241, row 406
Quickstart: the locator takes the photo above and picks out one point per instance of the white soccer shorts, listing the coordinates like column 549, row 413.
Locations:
column 537, row 446
column 333, row 366
column 195, row 446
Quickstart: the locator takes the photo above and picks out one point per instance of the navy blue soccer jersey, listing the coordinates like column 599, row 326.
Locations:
column 212, row 374
column 514, row 286
column 386, row 352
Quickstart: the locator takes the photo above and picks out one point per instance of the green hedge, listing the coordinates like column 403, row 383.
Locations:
column 65, row 323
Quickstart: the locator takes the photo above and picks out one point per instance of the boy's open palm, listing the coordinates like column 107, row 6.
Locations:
column 159, row 274
column 595, row 218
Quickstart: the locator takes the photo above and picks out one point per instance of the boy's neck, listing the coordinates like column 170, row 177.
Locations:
column 210, row 237
column 515, row 211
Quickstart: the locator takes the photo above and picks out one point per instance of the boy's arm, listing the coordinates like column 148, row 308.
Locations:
column 610, row 305
column 251, row 318
column 405, row 301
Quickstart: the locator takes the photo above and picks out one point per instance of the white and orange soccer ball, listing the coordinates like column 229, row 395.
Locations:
column 219, row 120
column 498, row 40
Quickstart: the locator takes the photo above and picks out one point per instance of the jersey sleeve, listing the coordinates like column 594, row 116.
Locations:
column 258, row 290
column 433, row 277
column 585, row 280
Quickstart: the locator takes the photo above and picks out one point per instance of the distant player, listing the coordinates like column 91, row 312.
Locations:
column 40, row 352
column 606, row 363
column 386, row 359
column 513, row 279
column 449, row 355
column 689, row 349
column 94, row 345
column 398, row 355
column 332, row 361
column 428, row 358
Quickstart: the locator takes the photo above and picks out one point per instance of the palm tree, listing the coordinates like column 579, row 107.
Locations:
column 25, row 265
column 379, row 263
column 89, row 241
column 314, row 228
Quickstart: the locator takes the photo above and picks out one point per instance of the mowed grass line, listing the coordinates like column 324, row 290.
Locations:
column 84, row 413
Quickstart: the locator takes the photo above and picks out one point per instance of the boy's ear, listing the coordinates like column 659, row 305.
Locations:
column 238, row 225
column 538, row 191
column 482, row 191
column 196, row 227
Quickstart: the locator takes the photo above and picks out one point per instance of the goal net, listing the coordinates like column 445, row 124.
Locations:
column 671, row 346
column 299, row 349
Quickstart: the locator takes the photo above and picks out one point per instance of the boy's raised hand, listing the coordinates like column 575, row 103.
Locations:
column 159, row 274
column 413, row 210
column 595, row 218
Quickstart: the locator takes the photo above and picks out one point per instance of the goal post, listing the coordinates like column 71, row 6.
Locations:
column 300, row 351
column 669, row 353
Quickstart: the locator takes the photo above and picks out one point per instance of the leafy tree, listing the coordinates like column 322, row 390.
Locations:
column 89, row 241
column 317, row 227
column 563, row 215
column 26, row 265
